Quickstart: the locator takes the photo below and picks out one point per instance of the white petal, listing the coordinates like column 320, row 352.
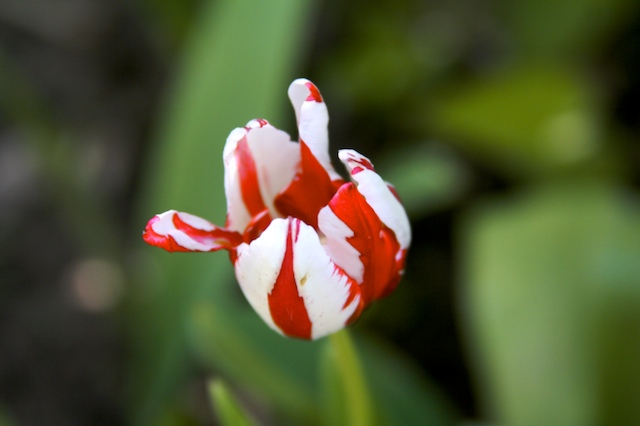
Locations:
column 275, row 159
column 323, row 286
column 337, row 244
column 378, row 195
column 313, row 120
column 258, row 266
column 178, row 231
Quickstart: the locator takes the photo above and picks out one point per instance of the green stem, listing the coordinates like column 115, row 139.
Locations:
column 358, row 408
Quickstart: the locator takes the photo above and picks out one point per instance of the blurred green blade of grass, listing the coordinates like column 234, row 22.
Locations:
column 237, row 65
column 552, row 299
column 226, row 406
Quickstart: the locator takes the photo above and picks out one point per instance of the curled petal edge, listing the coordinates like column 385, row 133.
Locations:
column 183, row 232
column 260, row 161
column 378, row 194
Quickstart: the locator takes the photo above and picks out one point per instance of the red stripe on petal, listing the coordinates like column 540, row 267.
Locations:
column 394, row 192
column 258, row 223
column 314, row 93
column 218, row 236
column 249, row 183
column 165, row 242
column 173, row 233
column 377, row 244
column 309, row 191
column 354, row 291
column 285, row 303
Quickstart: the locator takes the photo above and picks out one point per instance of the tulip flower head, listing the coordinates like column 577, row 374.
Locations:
column 310, row 250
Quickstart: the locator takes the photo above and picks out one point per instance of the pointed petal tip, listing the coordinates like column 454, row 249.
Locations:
column 175, row 231
column 298, row 83
column 302, row 90
column 153, row 238
column 237, row 134
column 354, row 161
column 256, row 123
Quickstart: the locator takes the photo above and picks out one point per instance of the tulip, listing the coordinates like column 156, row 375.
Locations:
column 310, row 251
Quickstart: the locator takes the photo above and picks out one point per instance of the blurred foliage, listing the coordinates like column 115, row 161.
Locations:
column 553, row 295
column 229, row 411
column 509, row 129
column 345, row 393
column 523, row 121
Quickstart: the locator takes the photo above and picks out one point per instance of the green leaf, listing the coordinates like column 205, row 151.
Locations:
column 523, row 120
column 559, row 28
column 552, row 305
column 427, row 177
column 228, row 410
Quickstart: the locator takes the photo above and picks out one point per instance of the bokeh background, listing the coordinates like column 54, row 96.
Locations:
column 509, row 128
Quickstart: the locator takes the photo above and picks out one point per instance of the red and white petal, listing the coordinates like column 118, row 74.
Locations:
column 313, row 119
column 292, row 283
column 378, row 195
column 337, row 237
column 178, row 231
column 330, row 295
column 359, row 243
column 309, row 191
column 260, row 161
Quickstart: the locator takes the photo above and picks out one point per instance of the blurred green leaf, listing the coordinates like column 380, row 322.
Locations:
column 521, row 120
column 171, row 18
column 250, row 354
column 562, row 27
column 346, row 399
column 235, row 68
column 226, row 407
column 5, row 418
column 552, row 298
column 427, row 177
column 378, row 65
column 55, row 150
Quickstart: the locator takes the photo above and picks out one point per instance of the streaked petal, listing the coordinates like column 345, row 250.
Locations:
column 260, row 161
column 313, row 119
column 292, row 283
column 332, row 298
column 178, row 231
column 309, row 191
column 378, row 195
column 359, row 243
column 338, row 236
